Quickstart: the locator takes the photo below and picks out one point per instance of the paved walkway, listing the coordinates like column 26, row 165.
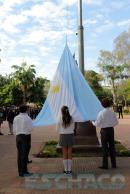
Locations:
column 94, row 178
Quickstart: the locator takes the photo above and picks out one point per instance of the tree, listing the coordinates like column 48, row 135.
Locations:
column 5, row 96
column 124, row 92
column 112, row 72
column 122, row 51
column 24, row 75
column 37, row 91
column 94, row 80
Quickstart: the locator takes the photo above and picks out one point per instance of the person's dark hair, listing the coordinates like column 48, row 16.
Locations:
column 105, row 103
column 23, row 108
column 66, row 117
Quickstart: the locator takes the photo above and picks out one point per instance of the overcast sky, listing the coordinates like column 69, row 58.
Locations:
column 34, row 31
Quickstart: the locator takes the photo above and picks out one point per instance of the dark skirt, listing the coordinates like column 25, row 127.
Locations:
column 66, row 140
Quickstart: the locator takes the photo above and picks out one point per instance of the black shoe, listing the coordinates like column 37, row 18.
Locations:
column 10, row 133
column 29, row 161
column 22, row 175
column 103, row 167
column 1, row 133
column 69, row 172
column 114, row 166
column 28, row 174
column 65, row 172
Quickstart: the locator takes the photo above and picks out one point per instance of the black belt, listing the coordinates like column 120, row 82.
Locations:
column 23, row 134
column 107, row 128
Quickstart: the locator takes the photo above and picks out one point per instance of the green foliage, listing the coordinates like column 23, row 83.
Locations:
column 126, row 111
column 122, row 51
column 17, row 95
column 5, row 91
column 52, row 142
column 24, row 76
column 36, row 91
column 112, row 72
column 22, row 86
column 124, row 91
column 121, row 150
column 94, row 79
column 49, row 149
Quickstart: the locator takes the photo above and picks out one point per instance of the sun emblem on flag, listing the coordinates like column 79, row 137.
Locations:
column 55, row 89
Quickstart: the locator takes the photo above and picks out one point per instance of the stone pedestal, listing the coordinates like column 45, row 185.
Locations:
column 85, row 138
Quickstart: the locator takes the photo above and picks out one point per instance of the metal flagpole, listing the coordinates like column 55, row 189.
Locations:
column 85, row 132
column 80, row 37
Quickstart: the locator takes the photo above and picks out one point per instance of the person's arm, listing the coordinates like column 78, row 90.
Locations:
column 14, row 126
column 58, row 126
column 30, row 125
column 115, row 120
column 98, row 121
column 58, row 123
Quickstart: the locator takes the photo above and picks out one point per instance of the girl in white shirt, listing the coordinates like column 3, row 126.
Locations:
column 65, row 127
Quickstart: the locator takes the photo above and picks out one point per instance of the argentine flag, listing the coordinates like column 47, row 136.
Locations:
column 68, row 88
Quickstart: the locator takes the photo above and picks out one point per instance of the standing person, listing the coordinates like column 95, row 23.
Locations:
column 10, row 118
column 120, row 112
column 106, row 120
column 65, row 127
column 22, row 127
column 1, row 119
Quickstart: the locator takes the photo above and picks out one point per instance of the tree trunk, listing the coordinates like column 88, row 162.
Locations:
column 125, row 100
column 24, row 97
column 114, row 93
column 24, row 94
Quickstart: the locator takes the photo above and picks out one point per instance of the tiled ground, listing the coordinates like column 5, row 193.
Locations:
column 92, row 183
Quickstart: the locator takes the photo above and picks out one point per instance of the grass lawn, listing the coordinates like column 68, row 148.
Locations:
column 49, row 151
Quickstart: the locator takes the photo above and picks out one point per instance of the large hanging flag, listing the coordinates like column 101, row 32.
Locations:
column 71, row 89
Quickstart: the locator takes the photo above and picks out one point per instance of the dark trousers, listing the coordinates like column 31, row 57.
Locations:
column 120, row 114
column 108, row 146
column 23, row 143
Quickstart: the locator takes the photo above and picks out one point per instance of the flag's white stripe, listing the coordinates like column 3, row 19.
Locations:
column 63, row 97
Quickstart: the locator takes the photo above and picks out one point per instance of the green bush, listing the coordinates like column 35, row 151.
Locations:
column 49, row 153
column 49, row 149
column 53, row 142
column 126, row 111
column 124, row 153
column 121, row 150
column 117, row 142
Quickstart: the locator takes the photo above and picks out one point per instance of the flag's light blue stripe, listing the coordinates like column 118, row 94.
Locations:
column 45, row 117
column 86, row 101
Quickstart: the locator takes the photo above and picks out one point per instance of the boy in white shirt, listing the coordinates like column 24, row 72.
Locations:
column 22, row 127
column 106, row 120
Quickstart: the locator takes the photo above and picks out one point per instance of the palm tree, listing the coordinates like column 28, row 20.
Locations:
column 24, row 75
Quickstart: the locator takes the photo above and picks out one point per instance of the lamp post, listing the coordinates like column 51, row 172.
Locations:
column 80, row 37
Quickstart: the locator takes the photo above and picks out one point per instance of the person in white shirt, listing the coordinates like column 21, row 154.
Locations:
column 106, row 120
column 65, row 127
column 22, row 127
